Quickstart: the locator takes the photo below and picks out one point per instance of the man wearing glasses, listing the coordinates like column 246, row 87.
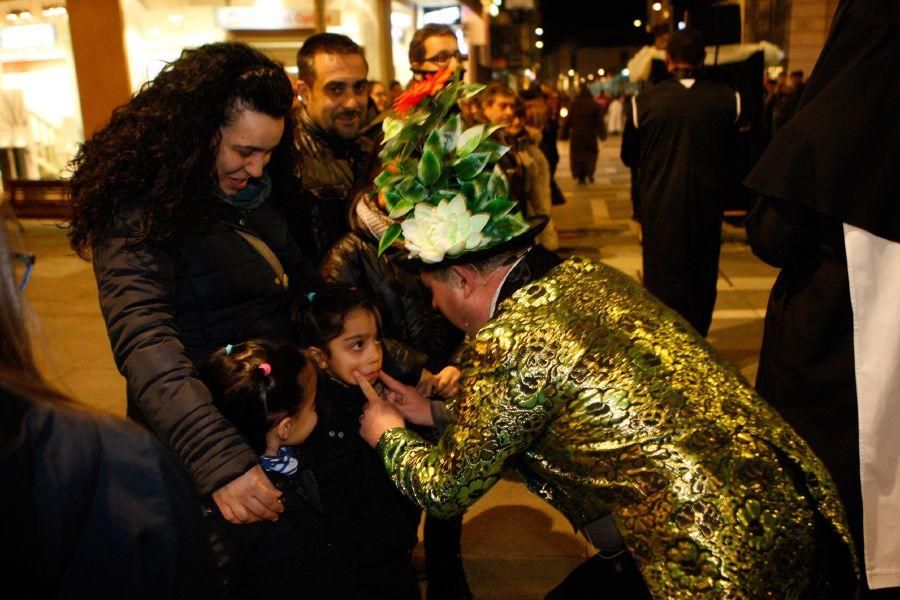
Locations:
column 434, row 48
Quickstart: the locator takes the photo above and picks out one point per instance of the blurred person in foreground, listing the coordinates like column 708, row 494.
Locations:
column 605, row 402
column 178, row 201
column 93, row 505
column 828, row 217
column 686, row 133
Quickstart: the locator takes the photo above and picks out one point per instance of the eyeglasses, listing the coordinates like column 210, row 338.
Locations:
column 444, row 57
column 23, row 265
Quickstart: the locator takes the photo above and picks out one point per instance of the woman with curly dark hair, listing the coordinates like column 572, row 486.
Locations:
column 177, row 200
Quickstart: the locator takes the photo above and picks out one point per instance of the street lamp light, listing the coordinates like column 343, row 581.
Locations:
column 656, row 6
column 493, row 10
column 637, row 22
column 539, row 44
column 539, row 31
column 571, row 72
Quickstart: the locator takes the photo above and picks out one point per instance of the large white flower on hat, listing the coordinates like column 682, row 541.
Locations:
column 446, row 229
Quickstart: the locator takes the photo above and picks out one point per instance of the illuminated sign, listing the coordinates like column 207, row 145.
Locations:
column 23, row 37
column 252, row 18
column 443, row 15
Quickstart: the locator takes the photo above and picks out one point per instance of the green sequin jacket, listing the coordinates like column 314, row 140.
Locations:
column 603, row 400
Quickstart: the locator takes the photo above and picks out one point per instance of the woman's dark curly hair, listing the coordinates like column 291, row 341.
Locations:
column 159, row 149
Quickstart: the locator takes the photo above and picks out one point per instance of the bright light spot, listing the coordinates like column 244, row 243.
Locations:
column 601, row 72
column 625, row 72
column 539, row 44
column 656, row 6
column 12, row 16
column 154, row 31
column 581, row 80
column 571, row 72
column 493, row 10
column 637, row 22
column 497, row 2
column 666, row 15
column 564, row 112
column 25, row 14
column 591, row 77
column 681, row 25
column 176, row 18
column 539, row 31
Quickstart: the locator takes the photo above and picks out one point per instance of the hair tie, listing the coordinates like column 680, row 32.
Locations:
column 228, row 349
column 311, row 296
column 266, row 368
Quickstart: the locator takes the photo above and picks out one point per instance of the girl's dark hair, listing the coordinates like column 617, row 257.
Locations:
column 159, row 149
column 319, row 316
column 253, row 401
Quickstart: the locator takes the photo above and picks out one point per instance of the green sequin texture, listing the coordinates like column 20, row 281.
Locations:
column 605, row 401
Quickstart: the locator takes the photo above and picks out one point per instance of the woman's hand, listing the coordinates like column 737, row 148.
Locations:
column 414, row 407
column 446, row 383
column 249, row 498
column 378, row 415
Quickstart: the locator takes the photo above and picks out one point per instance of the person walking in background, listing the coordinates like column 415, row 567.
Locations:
column 332, row 84
column 582, row 127
column 615, row 115
column 686, row 130
column 828, row 217
column 177, row 199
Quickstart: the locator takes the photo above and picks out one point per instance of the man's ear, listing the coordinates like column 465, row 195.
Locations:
column 319, row 357
column 301, row 89
column 466, row 279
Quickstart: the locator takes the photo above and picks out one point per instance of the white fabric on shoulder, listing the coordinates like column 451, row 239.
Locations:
column 873, row 265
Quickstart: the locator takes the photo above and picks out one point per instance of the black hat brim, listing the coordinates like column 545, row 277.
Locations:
column 525, row 239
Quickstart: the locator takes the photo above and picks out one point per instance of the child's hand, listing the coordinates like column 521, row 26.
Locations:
column 426, row 383
column 378, row 415
column 446, row 383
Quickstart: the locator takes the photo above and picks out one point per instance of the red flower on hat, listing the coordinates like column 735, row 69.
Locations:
column 422, row 89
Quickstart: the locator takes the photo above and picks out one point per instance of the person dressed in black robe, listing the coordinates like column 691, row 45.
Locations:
column 686, row 134
column 583, row 126
column 816, row 183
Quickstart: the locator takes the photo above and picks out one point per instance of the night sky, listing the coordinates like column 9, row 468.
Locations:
column 594, row 22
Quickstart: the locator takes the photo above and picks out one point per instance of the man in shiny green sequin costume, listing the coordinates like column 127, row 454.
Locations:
column 606, row 402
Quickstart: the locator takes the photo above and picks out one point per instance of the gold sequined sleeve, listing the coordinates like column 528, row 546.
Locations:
column 495, row 420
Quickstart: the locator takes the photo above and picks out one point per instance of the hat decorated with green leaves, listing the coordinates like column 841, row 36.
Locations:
column 442, row 184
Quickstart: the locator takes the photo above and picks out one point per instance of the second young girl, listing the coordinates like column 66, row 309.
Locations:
column 373, row 523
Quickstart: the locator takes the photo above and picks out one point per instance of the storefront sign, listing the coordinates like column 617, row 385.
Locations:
column 251, row 18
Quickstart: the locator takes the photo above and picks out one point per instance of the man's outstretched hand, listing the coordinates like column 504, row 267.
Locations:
column 378, row 414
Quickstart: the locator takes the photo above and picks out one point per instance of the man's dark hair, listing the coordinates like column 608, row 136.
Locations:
column 494, row 89
column 686, row 46
column 323, row 43
column 417, row 44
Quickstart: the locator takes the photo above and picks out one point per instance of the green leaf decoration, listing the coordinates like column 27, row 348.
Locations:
column 495, row 149
column 490, row 130
column 450, row 133
column 413, row 191
column 391, row 128
column 469, row 90
column 434, row 143
column 497, row 186
column 499, row 207
column 469, row 140
column 429, row 168
column 402, row 207
column 470, row 166
column 389, row 237
column 386, row 180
